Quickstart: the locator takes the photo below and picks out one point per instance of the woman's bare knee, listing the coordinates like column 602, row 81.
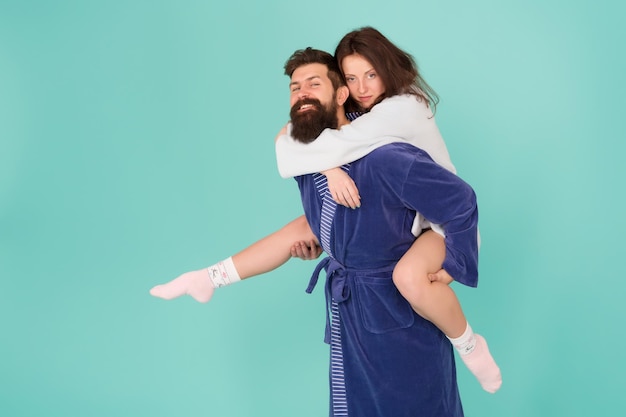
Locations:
column 411, row 281
column 424, row 257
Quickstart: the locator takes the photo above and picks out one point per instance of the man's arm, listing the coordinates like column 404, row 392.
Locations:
column 262, row 256
column 440, row 197
column 445, row 199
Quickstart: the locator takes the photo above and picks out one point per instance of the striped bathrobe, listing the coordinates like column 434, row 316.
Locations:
column 386, row 361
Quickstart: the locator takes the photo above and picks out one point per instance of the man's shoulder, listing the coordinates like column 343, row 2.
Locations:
column 397, row 151
column 392, row 159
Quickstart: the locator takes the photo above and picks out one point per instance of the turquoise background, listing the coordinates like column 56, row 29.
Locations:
column 136, row 144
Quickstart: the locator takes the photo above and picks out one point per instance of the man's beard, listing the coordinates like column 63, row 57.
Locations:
column 307, row 126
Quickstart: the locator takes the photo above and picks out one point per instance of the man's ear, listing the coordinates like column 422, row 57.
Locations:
column 342, row 95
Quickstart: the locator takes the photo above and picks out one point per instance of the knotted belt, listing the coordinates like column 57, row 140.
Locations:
column 336, row 288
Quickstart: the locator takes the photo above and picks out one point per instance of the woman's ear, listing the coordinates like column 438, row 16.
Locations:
column 342, row 95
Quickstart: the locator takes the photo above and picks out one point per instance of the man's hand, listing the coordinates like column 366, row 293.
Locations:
column 306, row 250
column 441, row 276
column 342, row 188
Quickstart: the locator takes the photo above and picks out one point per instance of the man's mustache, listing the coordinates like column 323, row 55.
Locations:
column 306, row 101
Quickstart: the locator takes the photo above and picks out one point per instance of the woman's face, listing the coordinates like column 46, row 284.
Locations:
column 363, row 82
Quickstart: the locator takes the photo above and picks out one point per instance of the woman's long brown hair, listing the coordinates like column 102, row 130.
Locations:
column 396, row 68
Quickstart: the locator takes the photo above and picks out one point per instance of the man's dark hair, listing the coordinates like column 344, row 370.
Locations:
column 315, row 56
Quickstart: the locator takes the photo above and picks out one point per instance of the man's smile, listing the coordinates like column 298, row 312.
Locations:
column 306, row 107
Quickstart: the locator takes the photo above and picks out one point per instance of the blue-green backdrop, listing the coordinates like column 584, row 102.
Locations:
column 136, row 144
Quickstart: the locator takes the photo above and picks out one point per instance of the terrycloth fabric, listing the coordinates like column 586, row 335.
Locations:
column 400, row 118
column 395, row 363
column 396, row 181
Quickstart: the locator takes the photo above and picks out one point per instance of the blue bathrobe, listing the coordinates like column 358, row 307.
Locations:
column 386, row 361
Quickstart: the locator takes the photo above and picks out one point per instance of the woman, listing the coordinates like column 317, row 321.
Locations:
column 386, row 87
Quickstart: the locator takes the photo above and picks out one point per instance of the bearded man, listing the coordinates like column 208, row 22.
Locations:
column 386, row 361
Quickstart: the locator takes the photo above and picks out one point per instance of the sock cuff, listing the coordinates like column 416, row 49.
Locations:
column 229, row 266
column 223, row 273
column 465, row 343
column 465, row 337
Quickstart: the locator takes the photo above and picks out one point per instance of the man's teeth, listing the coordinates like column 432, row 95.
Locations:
column 305, row 106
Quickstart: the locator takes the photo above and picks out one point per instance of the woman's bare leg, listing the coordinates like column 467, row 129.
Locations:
column 437, row 302
column 262, row 256
column 434, row 301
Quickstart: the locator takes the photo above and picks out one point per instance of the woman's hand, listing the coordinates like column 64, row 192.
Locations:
column 342, row 188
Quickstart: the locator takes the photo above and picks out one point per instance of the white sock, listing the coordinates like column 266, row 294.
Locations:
column 475, row 354
column 465, row 343
column 223, row 273
column 199, row 284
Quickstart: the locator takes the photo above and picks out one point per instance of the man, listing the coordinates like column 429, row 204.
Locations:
column 386, row 361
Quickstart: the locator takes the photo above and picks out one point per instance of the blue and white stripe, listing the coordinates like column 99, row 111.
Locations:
column 338, row 385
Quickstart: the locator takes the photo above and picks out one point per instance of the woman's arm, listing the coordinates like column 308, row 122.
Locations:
column 395, row 119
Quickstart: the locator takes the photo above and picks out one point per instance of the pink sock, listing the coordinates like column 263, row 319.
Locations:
column 199, row 284
column 195, row 283
column 480, row 362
